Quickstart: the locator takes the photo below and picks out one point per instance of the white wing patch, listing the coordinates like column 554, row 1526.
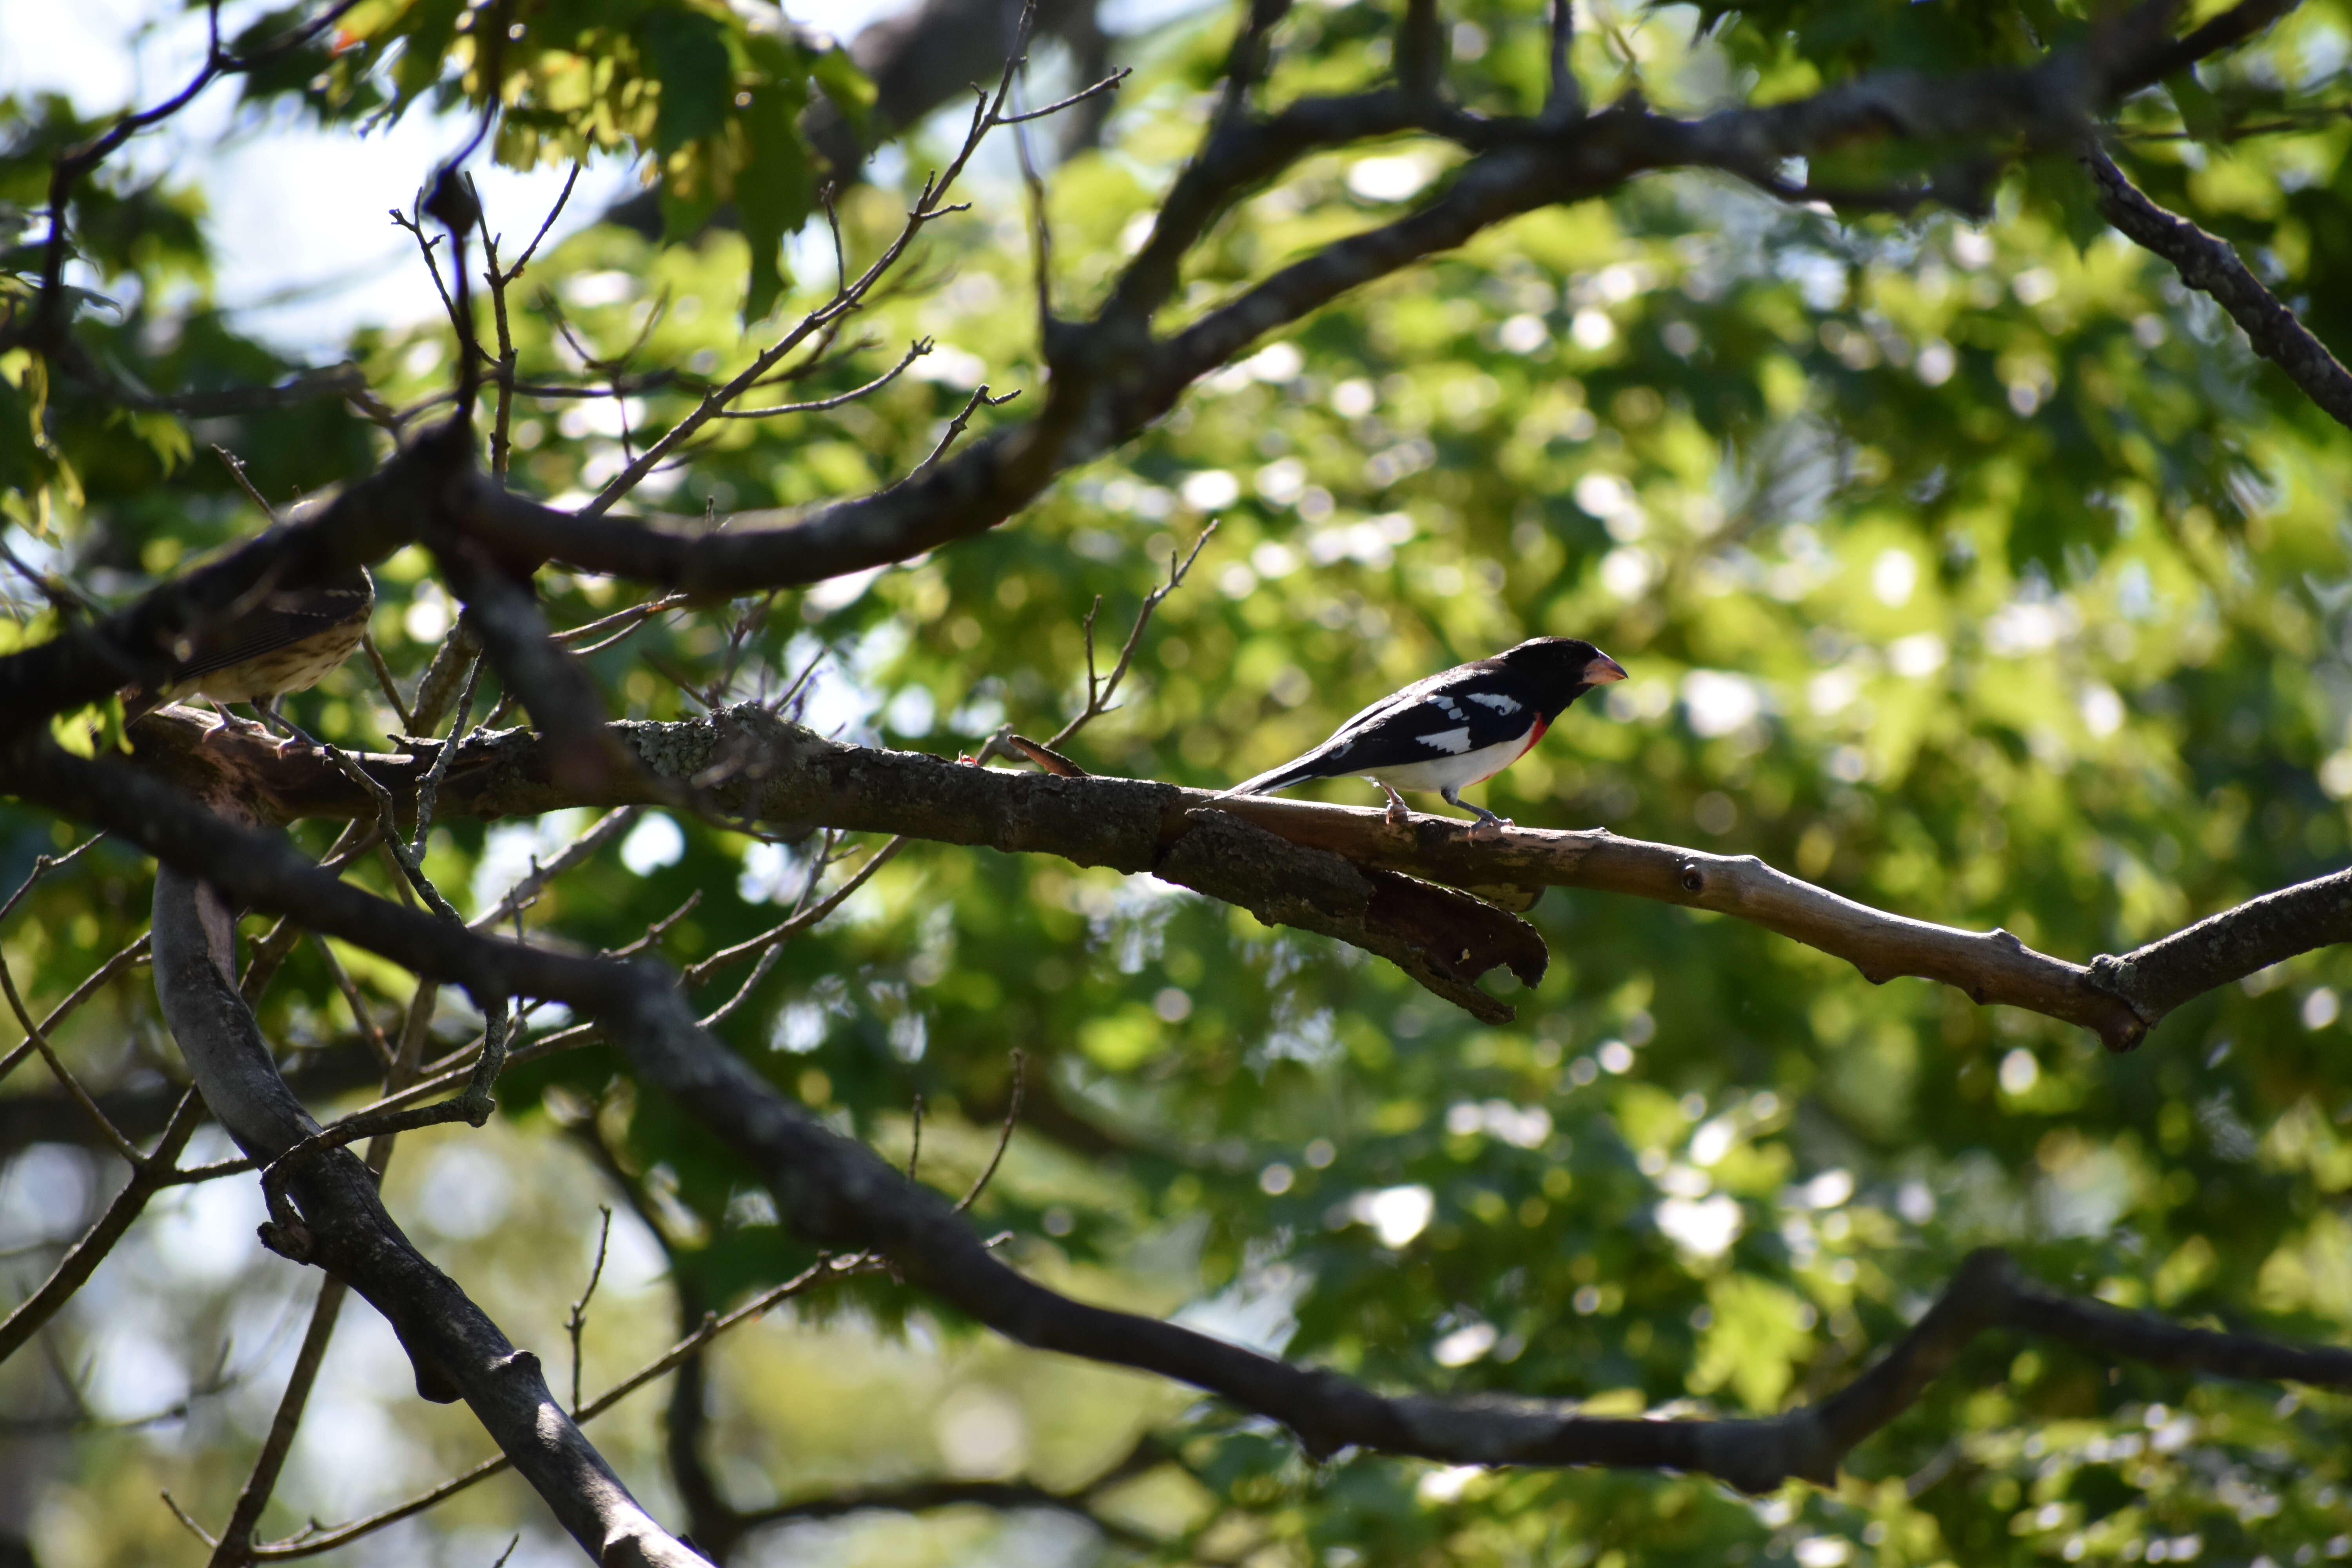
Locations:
column 1452, row 741
column 1447, row 706
column 1495, row 700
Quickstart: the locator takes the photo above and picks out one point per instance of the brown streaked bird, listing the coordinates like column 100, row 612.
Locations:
column 286, row 641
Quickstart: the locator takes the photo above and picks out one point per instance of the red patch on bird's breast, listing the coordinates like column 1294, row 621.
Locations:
column 1534, row 734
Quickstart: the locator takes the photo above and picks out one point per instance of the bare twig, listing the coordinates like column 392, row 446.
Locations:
column 956, row 425
column 931, row 206
column 369, row 1031
column 429, row 789
column 384, row 681
column 579, row 1318
column 408, row 860
column 915, row 351
column 1041, row 238
column 235, row 466
column 236, row 1543
column 1106, row 84
column 42, row 866
column 74, row 1269
column 1099, row 691
column 553, row 212
column 804, row 914
column 72, row 1085
column 1003, row 1138
column 521, row 896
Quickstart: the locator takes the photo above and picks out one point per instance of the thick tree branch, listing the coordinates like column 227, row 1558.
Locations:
column 1111, row 378
column 1317, row 867
column 838, row 1193
column 367, row 521
column 2162, row 974
column 456, row 1351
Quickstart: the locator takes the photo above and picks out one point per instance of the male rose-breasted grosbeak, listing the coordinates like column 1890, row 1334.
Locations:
column 287, row 640
column 1455, row 728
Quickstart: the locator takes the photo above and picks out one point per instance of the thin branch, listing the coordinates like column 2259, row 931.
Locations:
column 801, row 919
column 1108, row 84
column 429, row 789
column 1099, row 693
column 956, row 426
column 553, row 212
column 383, row 680
column 524, row 893
column 235, row 466
column 2209, row 264
column 74, row 1269
column 72, row 1085
column 915, row 350
column 42, row 866
column 236, row 1544
column 1003, row 1138
column 930, row 204
column 407, row 861
column 369, row 1031
column 1041, row 238
column 579, row 1318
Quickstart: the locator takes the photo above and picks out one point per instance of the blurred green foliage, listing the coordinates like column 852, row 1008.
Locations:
column 1973, row 570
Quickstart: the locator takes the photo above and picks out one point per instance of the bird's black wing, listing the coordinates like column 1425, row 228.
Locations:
column 1420, row 691
column 1465, row 708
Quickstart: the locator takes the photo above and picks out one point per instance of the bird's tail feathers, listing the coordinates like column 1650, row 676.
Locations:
column 138, row 702
column 1283, row 777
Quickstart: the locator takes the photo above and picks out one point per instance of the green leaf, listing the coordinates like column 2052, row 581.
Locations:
column 773, row 192
column 165, row 435
column 431, row 26
column 849, row 89
column 684, row 212
column 27, row 462
column 687, row 54
column 2200, row 111
column 2059, row 186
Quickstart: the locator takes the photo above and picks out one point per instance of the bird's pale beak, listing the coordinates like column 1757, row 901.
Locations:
column 1603, row 671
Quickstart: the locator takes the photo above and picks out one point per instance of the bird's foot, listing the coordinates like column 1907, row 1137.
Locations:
column 224, row 720
column 1487, row 830
column 227, row 723
column 295, row 738
column 1397, row 815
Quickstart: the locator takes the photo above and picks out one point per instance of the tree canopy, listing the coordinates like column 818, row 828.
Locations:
column 1882, row 1103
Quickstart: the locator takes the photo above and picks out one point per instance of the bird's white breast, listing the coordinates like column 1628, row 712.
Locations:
column 1449, row 769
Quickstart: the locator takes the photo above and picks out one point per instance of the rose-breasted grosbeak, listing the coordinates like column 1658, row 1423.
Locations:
column 1455, row 728
column 285, row 640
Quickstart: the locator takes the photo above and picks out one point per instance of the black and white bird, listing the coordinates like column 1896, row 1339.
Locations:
column 1455, row 729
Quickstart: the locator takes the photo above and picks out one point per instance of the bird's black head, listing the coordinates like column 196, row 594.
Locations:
column 1563, row 668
